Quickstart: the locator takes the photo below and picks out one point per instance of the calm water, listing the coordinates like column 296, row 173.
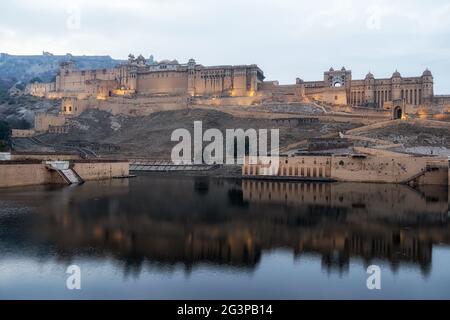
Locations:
column 158, row 237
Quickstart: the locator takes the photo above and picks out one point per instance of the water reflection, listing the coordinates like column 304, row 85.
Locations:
column 167, row 221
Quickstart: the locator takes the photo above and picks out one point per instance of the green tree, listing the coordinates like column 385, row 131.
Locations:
column 5, row 134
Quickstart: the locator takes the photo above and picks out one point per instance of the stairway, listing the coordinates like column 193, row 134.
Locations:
column 71, row 177
column 427, row 169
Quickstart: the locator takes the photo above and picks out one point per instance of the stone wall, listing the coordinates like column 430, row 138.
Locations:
column 40, row 89
column 16, row 173
column 44, row 156
column 171, row 82
column 19, row 133
column 384, row 167
column 43, row 121
column 379, row 169
column 333, row 96
column 25, row 173
column 99, row 170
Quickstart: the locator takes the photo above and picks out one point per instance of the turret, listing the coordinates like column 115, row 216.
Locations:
column 396, row 81
column 140, row 60
column 191, row 77
column 191, row 63
column 427, row 85
column 369, row 82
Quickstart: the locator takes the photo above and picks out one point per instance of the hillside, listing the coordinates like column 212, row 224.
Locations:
column 25, row 68
column 150, row 136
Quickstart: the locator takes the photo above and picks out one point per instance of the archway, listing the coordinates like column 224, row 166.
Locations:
column 398, row 113
column 338, row 82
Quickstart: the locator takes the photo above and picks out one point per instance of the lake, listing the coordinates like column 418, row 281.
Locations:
column 184, row 237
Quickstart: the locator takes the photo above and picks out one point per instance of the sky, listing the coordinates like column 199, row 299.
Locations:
column 286, row 38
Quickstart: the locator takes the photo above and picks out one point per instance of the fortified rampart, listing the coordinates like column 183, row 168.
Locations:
column 16, row 173
column 377, row 167
column 44, row 156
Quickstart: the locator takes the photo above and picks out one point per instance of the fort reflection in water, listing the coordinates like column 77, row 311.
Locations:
column 167, row 221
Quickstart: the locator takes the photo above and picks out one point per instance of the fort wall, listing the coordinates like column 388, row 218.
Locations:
column 100, row 170
column 382, row 167
column 43, row 121
column 44, row 156
column 40, row 89
column 163, row 83
column 16, row 173
column 333, row 96
column 22, row 133
column 25, row 173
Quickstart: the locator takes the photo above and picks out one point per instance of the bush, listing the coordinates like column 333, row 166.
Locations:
column 36, row 79
column 19, row 124
column 20, row 86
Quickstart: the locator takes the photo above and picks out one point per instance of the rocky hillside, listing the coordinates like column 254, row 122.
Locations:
column 44, row 67
column 19, row 111
column 150, row 136
column 17, row 71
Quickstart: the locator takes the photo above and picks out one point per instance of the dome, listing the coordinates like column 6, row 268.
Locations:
column 396, row 74
column 343, row 69
column 331, row 69
column 427, row 73
column 369, row 75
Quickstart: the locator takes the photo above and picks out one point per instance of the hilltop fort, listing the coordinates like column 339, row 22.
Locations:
column 141, row 86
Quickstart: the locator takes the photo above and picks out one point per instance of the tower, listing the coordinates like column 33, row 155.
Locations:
column 427, row 85
column 191, row 77
column 396, row 81
column 369, row 83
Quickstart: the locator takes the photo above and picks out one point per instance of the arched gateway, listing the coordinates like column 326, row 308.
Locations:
column 398, row 112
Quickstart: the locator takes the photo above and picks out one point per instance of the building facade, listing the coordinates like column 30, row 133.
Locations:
column 166, row 78
column 243, row 85
column 371, row 92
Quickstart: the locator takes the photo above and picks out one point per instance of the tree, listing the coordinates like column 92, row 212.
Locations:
column 36, row 80
column 5, row 134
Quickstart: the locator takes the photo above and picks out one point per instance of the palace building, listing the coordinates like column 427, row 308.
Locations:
column 372, row 92
column 165, row 78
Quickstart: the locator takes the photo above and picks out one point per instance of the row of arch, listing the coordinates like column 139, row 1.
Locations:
column 305, row 172
column 412, row 96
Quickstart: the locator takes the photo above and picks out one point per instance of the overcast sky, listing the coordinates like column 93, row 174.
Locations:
column 286, row 38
